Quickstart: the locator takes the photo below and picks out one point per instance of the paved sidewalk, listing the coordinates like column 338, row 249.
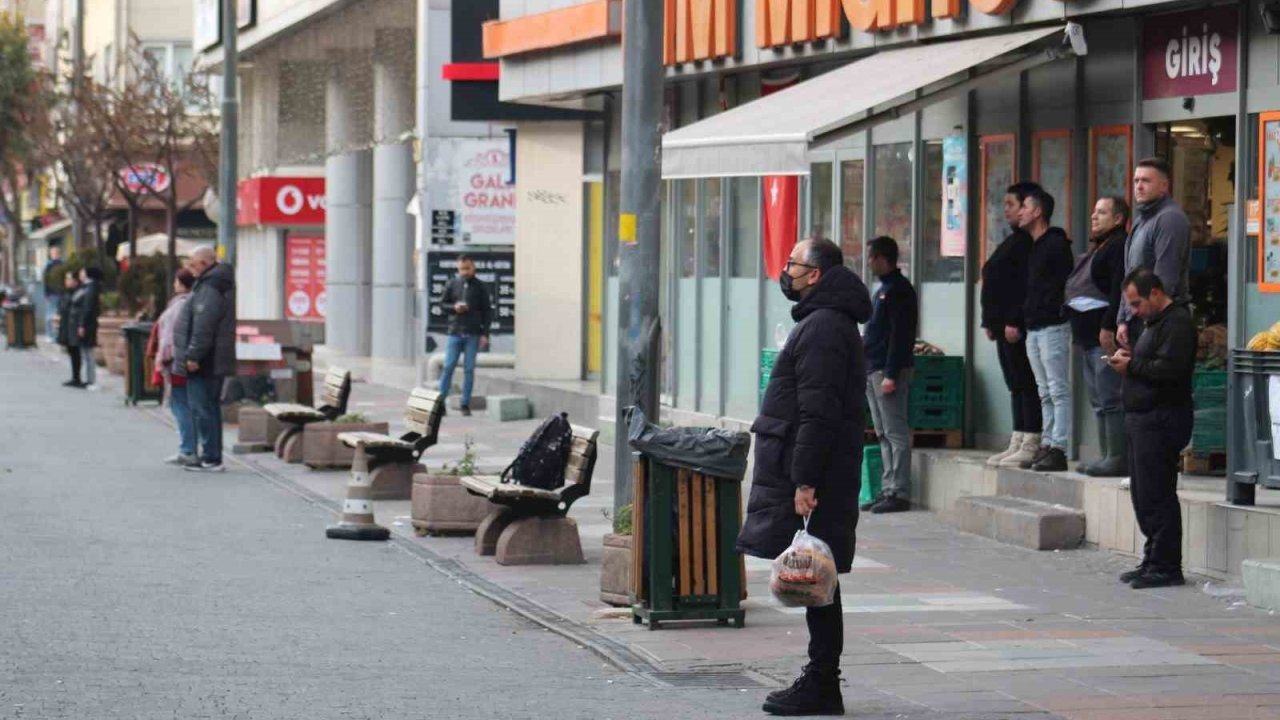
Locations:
column 938, row 623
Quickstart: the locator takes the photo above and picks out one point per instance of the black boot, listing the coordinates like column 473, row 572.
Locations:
column 1116, row 464
column 1087, row 468
column 815, row 692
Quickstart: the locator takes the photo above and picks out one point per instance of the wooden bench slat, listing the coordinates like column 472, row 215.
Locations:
column 368, row 439
column 712, row 537
column 682, row 529
column 699, row 570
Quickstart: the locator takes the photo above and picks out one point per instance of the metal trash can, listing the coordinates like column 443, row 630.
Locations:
column 20, row 325
column 138, row 365
column 1251, row 437
column 687, row 513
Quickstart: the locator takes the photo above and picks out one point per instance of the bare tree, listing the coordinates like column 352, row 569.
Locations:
column 22, row 115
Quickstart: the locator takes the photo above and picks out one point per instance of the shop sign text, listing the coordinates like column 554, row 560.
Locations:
column 486, row 195
column 1190, row 53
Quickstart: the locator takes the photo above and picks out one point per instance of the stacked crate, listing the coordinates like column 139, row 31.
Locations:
column 937, row 393
column 1207, row 452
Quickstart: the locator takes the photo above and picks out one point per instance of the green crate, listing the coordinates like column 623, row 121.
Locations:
column 936, row 417
column 935, row 390
column 872, row 471
column 948, row 366
column 1209, row 379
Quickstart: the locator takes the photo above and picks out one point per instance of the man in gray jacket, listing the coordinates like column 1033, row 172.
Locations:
column 1160, row 241
column 204, row 349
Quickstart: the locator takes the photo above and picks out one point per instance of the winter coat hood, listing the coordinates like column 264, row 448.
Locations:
column 840, row 290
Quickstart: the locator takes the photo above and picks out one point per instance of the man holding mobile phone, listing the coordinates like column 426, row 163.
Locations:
column 466, row 302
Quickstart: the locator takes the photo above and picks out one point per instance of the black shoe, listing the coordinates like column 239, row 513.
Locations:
column 206, row 467
column 466, row 411
column 1158, row 579
column 871, row 503
column 1028, row 464
column 1130, row 575
column 891, row 504
column 815, row 692
column 73, row 384
column 1053, row 461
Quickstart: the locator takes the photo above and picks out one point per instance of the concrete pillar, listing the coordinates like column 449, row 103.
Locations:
column 393, row 334
column 348, row 217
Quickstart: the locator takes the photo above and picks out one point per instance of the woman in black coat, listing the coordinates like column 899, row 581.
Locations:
column 808, row 451
column 85, row 308
column 66, row 329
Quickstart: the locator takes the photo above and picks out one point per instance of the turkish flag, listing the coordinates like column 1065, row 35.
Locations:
column 781, row 221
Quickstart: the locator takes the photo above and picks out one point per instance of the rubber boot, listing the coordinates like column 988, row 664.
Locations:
column 1087, row 468
column 1015, row 444
column 1117, row 462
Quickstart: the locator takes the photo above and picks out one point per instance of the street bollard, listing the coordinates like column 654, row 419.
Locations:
column 357, row 510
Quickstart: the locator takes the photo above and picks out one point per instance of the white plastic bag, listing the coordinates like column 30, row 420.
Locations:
column 804, row 575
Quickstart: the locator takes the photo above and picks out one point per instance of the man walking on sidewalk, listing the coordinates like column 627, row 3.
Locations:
column 1048, row 332
column 1158, row 417
column 466, row 302
column 1004, row 296
column 52, row 293
column 1160, row 241
column 890, row 345
column 204, row 350
column 808, row 451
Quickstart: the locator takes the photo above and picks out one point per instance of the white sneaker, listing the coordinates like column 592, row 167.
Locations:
column 1124, row 483
column 180, row 459
column 92, row 388
column 206, row 467
column 1015, row 444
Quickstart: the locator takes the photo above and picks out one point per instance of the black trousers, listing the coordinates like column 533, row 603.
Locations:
column 826, row 634
column 74, row 352
column 1021, row 381
column 1156, row 439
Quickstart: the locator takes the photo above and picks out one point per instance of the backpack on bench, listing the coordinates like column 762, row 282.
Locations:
column 544, row 456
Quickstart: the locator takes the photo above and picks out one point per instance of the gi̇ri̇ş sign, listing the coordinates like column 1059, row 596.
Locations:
column 1190, row 53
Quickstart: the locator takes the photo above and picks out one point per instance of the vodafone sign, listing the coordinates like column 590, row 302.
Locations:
column 280, row 201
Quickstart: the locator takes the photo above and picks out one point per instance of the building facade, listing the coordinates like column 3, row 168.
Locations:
column 965, row 98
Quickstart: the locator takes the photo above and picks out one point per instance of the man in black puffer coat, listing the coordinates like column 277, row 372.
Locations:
column 808, row 452
column 204, row 350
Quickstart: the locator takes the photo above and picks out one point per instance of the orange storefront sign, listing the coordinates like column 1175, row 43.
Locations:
column 699, row 29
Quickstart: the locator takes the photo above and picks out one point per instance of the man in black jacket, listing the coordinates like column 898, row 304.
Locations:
column 890, row 346
column 204, row 350
column 86, row 306
column 1158, row 416
column 1048, row 332
column 1004, row 293
column 466, row 302
column 808, row 451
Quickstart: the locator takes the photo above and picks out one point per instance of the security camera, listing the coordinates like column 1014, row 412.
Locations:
column 1075, row 36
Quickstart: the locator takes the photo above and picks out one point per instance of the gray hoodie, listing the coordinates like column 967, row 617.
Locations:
column 1160, row 240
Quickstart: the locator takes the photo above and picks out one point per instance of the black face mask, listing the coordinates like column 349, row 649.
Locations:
column 788, row 287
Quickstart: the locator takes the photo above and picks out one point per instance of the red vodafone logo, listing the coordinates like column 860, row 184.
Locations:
column 281, row 201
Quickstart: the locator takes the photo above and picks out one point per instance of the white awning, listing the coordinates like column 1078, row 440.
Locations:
column 49, row 231
column 772, row 135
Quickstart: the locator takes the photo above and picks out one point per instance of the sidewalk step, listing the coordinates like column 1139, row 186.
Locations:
column 1065, row 489
column 1262, row 582
column 1017, row 521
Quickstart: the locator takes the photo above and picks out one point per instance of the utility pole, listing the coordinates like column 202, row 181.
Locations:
column 639, row 229
column 422, row 131
column 77, row 74
column 227, row 147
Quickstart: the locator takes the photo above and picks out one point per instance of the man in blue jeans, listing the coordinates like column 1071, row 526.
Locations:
column 204, row 349
column 466, row 302
column 1048, row 328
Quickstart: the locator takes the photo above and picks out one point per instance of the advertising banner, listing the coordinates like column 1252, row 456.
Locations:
column 305, row 277
column 955, row 196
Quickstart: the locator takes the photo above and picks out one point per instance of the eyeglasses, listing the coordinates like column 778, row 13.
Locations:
column 791, row 263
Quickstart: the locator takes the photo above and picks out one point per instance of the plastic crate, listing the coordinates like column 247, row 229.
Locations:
column 936, row 417
column 872, row 471
column 948, row 366
column 936, row 390
column 1209, row 380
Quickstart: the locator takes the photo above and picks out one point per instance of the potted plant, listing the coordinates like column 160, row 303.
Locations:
column 321, row 447
column 615, row 566
column 441, row 505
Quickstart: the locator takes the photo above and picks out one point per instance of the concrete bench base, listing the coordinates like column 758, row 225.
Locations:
column 394, row 481
column 289, row 446
column 507, row 408
column 441, row 505
column 1262, row 582
column 540, row 541
column 258, row 431
column 491, row 529
column 1030, row 524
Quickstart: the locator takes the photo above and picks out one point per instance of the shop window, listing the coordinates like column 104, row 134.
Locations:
column 893, row 205
column 852, row 212
column 1269, row 195
column 712, row 195
column 1051, row 167
column 687, row 227
column 937, row 267
column 744, row 229
column 822, row 187
column 999, row 160
column 1110, row 161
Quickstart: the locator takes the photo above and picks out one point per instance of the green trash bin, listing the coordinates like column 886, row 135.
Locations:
column 138, row 367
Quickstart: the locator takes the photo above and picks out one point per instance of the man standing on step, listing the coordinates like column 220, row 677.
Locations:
column 466, row 302
column 1160, row 241
column 808, row 451
column 1158, row 417
column 890, row 345
column 1048, row 332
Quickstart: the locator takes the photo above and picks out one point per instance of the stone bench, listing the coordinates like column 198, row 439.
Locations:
column 294, row 417
column 393, row 461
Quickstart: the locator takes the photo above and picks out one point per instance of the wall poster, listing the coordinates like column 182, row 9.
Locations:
column 1110, row 161
column 999, row 166
column 1269, row 195
column 955, row 196
column 1051, row 167
column 304, row 277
